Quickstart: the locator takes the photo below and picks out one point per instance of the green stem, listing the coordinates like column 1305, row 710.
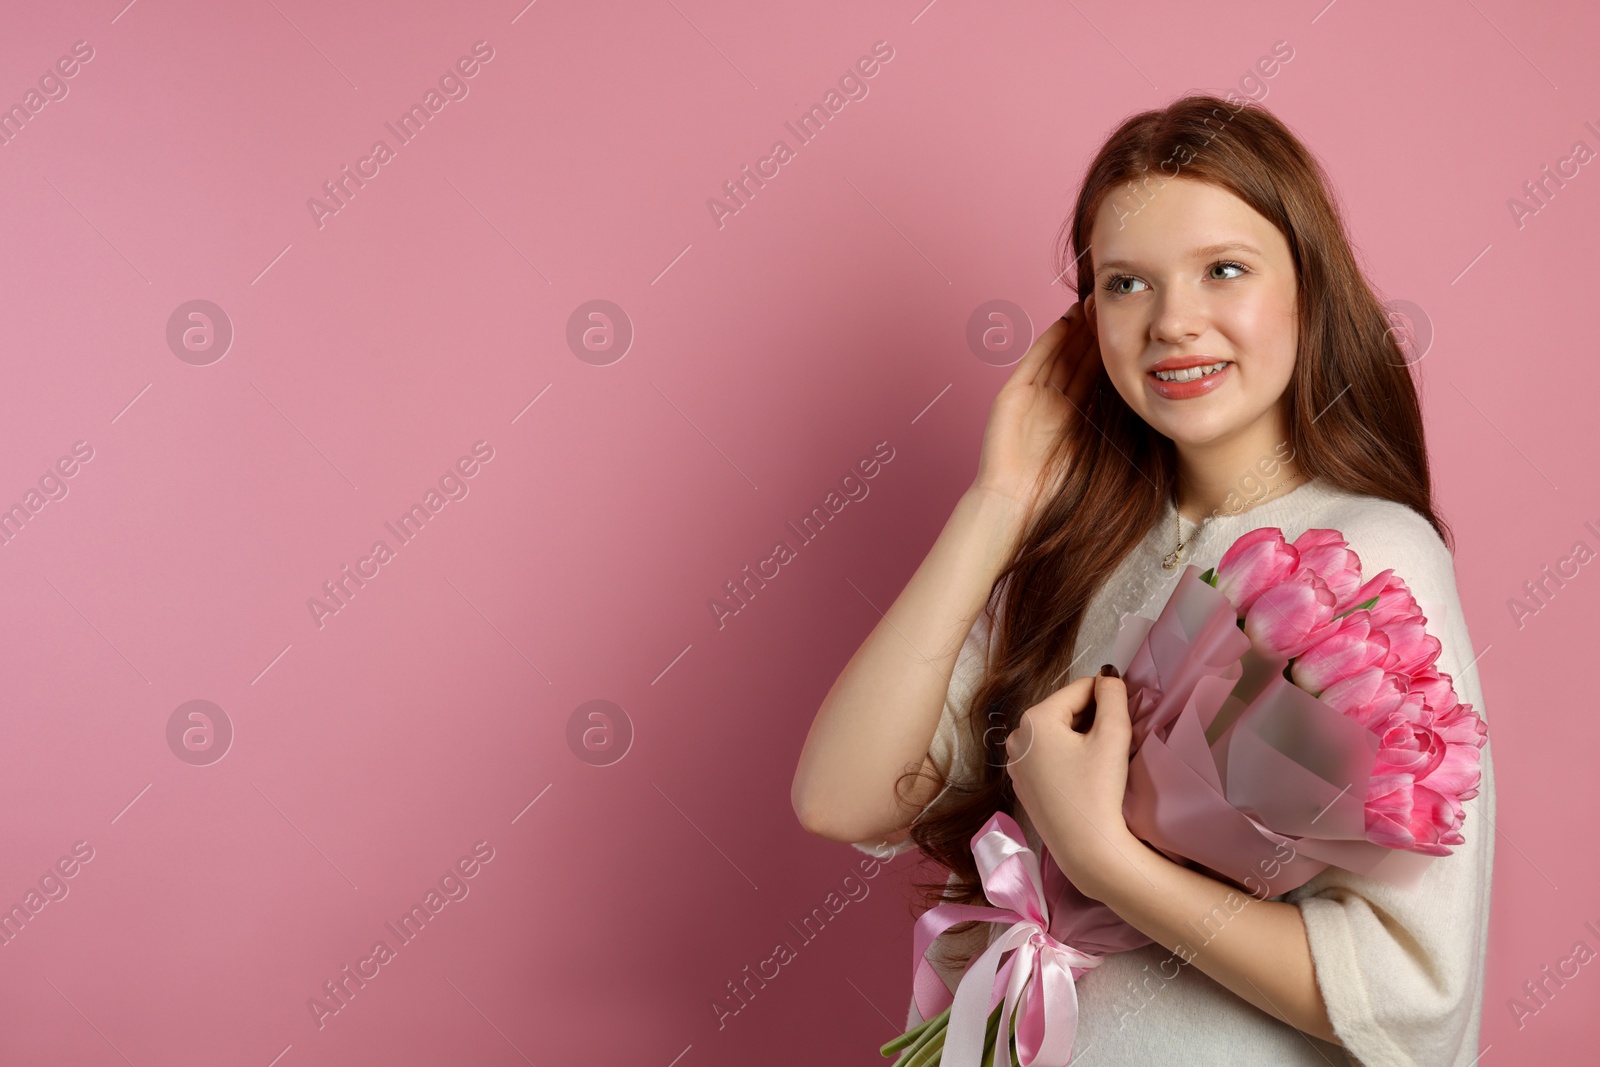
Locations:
column 923, row 1044
column 990, row 1035
column 931, row 1052
column 932, row 1027
column 889, row 1048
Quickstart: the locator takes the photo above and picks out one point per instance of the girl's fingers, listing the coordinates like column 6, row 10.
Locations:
column 1056, row 340
column 1091, row 700
column 1038, row 354
column 1064, row 704
column 1070, row 701
column 1077, row 361
column 1113, row 724
column 1061, row 344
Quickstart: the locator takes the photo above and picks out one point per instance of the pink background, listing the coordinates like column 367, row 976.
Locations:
column 769, row 355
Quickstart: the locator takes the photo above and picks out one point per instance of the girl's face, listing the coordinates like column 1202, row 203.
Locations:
column 1166, row 288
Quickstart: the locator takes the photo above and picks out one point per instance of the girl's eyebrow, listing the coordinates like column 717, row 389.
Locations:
column 1197, row 253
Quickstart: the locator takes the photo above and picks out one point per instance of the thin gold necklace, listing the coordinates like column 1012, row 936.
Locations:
column 1170, row 561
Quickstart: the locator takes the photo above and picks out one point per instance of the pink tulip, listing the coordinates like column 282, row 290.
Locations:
column 1254, row 563
column 1291, row 616
column 1464, row 733
column 1461, row 726
column 1394, row 597
column 1389, row 802
column 1458, row 773
column 1412, row 648
column 1401, row 814
column 1408, row 745
column 1436, row 820
column 1436, row 690
column 1325, row 554
column 1372, row 695
column 1350, row 647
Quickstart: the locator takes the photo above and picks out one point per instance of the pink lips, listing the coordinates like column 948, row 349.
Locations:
column 1186, row 390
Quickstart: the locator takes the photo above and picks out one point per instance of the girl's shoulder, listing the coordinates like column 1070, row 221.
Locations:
column 1387, row 531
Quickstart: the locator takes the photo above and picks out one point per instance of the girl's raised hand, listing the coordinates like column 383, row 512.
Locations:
column 1035, row 409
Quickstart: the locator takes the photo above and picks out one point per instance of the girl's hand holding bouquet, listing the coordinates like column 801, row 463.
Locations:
column 1068, row 762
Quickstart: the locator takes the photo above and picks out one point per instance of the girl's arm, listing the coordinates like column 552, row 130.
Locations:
column 879, row 718
column 1257, row 948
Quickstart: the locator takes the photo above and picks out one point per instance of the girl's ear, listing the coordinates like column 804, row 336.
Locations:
column 1089, row 309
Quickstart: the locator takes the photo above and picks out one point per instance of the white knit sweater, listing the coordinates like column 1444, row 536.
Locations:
column 1401, row 970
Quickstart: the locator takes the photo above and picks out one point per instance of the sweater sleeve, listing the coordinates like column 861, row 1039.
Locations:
column 1401, row 969
column 946, row 747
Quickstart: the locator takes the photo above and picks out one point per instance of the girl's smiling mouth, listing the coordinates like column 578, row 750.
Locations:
column 1183, row 377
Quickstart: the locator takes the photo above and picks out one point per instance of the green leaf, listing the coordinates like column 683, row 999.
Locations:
column 1365, row 605
column 1210, row 576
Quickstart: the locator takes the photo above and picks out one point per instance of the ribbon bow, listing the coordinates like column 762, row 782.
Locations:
column 1046, row 1009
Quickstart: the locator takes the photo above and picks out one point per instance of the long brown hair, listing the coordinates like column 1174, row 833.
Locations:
column 1353, row 420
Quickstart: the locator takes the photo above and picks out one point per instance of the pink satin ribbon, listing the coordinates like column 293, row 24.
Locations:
column 1046, row 1008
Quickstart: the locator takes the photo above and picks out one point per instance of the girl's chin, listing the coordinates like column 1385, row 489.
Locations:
column 1199, row 421
column 1200, row 432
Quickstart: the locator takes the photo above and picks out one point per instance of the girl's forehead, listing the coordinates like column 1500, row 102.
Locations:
column 1177, row 223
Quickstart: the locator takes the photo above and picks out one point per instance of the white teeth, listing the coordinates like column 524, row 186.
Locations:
column 1190, row 373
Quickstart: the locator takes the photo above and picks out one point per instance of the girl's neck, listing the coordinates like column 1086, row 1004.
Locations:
column 1222, row 487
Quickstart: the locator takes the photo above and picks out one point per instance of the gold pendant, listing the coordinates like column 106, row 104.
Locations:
column 1171, row 560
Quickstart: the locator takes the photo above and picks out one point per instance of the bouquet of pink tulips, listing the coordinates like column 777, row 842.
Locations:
column 1361, row 647
column 1288, row 716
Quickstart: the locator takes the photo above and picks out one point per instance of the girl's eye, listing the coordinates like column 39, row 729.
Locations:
column 1230, row 263
column 1115, row 280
